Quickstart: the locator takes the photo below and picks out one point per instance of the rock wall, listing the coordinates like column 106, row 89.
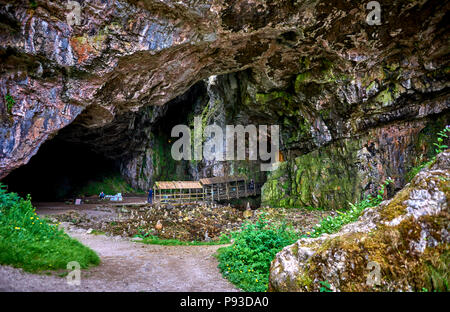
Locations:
column 352, row 168
column 331, row 81
column 400, row 245
column 224, row 107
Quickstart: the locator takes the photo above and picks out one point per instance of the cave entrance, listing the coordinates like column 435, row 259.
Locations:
column 59, row 170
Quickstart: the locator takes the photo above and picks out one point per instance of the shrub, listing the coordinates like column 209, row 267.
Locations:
column 246, row 263
column 32, row 243
column 442, row 136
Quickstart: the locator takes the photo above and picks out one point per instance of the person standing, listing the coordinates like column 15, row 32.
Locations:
column 252, row 185
column 150, row 196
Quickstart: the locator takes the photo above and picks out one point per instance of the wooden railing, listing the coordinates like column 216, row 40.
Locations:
column 210, row 193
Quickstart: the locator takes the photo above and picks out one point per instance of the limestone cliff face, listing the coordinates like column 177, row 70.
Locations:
column 348, row 169
column 341, row 90
column 400, row 245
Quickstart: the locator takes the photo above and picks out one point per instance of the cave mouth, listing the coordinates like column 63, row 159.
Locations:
column 59, row 170
column 126, row 155
column 82, row 161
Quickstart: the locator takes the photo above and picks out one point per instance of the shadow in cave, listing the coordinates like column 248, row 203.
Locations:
column 58, row 170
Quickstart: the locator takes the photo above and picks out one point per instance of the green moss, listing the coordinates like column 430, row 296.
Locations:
column 397, row 207
column 325, row 178
column 10, row 102
column 301, row 79
column 437, row 270
column 385, row 98
column 304, row 281
column 371, row 86
column 264, row 98
column 305, row 62
column 109, row 185
column 390, row 248
column 164, row 166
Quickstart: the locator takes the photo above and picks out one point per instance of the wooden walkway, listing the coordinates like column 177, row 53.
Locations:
column 207, row 189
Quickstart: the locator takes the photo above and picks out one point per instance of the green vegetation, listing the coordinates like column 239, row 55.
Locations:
column 33, row 4
column 9, row 103
column 331, row 225
column 31, row 243
column 164, row 166
column 154, row 240
column 97, row 232
column 325, row 286
column 109, row 185
column 415, row 170
column 149, row 238
column 442, row 136
column 247, row 262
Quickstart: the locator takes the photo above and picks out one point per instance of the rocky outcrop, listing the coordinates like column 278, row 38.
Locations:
column 348, row 169
column 317, row 68
column 400, row 245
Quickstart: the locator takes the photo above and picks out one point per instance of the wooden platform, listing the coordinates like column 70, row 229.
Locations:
column 207, row 189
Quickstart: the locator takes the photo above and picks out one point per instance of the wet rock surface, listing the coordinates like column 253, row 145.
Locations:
column 404, row 240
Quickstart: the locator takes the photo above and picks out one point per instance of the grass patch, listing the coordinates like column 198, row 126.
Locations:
column 109, row 185
column 246, row 263
column 34, row 244
column 153, row 240
column 96, row 232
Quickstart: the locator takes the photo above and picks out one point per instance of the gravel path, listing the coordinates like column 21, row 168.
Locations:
column 130, row 266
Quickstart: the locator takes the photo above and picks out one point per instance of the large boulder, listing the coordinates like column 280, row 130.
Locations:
column 400, row 245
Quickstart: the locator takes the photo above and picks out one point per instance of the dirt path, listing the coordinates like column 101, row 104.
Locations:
column 130, row 266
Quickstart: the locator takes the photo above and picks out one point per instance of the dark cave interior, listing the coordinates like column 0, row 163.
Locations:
column 76, row 156
column 58, row 169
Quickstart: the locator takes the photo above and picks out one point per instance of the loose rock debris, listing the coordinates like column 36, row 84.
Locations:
column 185, row 223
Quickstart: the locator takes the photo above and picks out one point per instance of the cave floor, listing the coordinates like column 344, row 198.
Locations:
column 133, row 217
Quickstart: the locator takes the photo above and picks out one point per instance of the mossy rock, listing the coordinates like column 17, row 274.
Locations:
column 400, row 245
column 326, row 177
